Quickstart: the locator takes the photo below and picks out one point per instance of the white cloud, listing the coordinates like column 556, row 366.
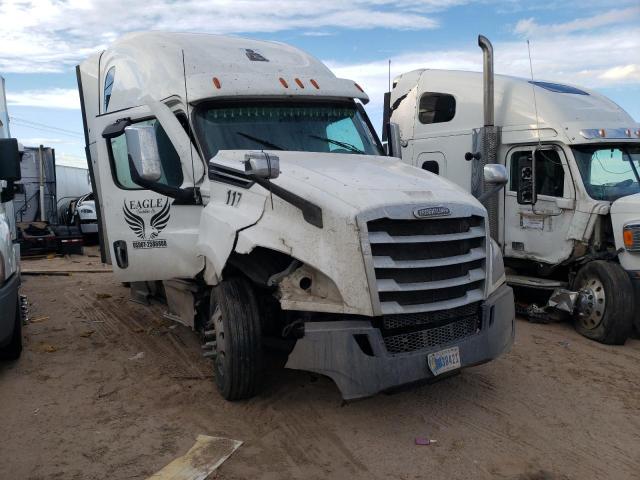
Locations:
column 530, row 28
column 51, row 36
column 65, row 98
column 622, row 73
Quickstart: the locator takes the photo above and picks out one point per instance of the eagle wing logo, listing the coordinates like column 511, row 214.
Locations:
column 157, row 223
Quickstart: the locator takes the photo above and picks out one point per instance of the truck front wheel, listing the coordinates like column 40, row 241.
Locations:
column 238, row 351
column 604, row 311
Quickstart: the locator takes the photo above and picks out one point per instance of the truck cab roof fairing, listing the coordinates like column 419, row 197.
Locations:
column 152, row 63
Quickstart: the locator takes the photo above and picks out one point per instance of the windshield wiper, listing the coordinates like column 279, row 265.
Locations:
column 266, row 143
column 348, row 146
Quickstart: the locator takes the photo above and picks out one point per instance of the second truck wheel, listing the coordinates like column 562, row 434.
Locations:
column 605, row 309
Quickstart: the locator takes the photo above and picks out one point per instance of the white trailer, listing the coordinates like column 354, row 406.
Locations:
column 247, row 180
column 569, row 221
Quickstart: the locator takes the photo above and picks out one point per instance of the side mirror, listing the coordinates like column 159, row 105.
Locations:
column 527, row 194
column 9, row 160
column 262, row 165
column 495, row 174
column 142, row 147
column 394, row 141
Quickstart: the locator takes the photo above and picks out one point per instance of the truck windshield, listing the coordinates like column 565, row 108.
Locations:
column 609, row 172
column 313, row 127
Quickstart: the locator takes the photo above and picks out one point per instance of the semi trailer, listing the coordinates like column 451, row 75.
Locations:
column 568, row 223
column 244, row 184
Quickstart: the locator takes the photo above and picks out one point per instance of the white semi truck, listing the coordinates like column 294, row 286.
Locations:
column 243, row 181
column 568, row 223
column 10, row 308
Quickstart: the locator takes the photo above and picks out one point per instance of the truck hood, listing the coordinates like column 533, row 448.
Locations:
column 361, row 182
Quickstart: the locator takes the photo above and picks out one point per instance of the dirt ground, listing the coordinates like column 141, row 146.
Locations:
column 109, row 389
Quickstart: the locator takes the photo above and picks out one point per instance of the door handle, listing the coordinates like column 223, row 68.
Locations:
column 120, row 250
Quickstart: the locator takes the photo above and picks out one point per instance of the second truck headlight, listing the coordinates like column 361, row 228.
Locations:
column 631, row 237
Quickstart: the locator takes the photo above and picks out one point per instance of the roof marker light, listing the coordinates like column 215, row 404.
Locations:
column 637, row 133
column 627, row 132
column 216, row 83
column 602, row 132
column 284, row 82
column 299, row 82
column 358, row 87
column 315, row 84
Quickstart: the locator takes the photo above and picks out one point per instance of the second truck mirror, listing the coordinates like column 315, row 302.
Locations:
column 495, row 174
column 262, row 165
column 142, row 147
column 9, row 159
column 394, row 141
column 527, row 194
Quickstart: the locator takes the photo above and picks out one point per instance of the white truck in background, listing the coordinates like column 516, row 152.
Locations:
column 10, row 308
column 568, row 223
column 243, row 181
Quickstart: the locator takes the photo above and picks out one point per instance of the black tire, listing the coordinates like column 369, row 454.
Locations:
column 608, row 315
column 234, row 314
column 14, row 349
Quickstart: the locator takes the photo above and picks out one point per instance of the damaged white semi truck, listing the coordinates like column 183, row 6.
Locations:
column 243, row 181
column 568, row 222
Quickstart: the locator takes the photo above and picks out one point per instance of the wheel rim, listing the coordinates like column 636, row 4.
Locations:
column 218, row 327
column 592, row 303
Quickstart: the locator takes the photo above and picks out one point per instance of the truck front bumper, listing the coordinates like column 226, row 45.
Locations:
column 332, row 349
column 8, row 299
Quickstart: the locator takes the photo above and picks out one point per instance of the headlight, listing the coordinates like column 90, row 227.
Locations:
column 631, row 237
column 497, row 264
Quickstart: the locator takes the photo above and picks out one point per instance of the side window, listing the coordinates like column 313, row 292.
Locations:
column 108, row 86
column 169, row 158
column 549, row 172
column 436, row 108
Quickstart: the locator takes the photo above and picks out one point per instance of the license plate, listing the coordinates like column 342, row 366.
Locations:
column 444, row 360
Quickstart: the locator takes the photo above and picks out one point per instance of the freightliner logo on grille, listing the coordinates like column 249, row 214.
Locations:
column 428, row 212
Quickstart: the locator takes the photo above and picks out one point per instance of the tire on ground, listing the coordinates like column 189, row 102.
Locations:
column 14, row 349
column 616, row 322
column 239, row 351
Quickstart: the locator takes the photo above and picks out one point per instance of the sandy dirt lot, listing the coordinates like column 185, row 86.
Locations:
column 83, row 402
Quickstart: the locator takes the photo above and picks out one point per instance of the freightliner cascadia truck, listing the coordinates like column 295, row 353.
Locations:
column 243, row 182
column 568, row 222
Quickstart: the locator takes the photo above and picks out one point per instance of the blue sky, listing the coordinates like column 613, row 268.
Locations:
column 588, row 43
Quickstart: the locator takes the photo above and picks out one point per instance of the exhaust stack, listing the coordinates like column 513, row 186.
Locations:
column 487, row 80
column 486, row 139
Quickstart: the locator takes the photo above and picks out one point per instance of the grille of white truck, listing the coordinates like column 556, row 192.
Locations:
column 430, row 279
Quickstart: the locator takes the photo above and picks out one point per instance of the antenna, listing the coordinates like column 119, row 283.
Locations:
column 533, row 89
column 389, row 74
column 186, row 101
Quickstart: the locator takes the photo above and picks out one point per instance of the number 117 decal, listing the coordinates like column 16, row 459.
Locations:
column 233, row 198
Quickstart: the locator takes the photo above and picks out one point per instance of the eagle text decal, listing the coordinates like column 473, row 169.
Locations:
column 135, row 212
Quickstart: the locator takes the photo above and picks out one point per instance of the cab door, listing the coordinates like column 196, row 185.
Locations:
column 539, row 232
column 147, row 235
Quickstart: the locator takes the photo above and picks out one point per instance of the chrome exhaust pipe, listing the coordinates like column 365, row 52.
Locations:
column 487, row 79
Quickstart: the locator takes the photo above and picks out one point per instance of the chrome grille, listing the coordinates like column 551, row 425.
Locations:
column 425, row 265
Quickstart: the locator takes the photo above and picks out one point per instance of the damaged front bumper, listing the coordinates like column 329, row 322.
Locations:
column 333, row 349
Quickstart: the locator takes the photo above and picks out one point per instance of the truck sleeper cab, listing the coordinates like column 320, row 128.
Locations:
column 264, row 207
column 568, row 222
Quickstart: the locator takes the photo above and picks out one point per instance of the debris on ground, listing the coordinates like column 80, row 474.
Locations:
column 46, row 347
column 424, row 441
column 206, row 455
column 87, row 333
column 137, row 356
column 43, row 318
column 103, row 295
